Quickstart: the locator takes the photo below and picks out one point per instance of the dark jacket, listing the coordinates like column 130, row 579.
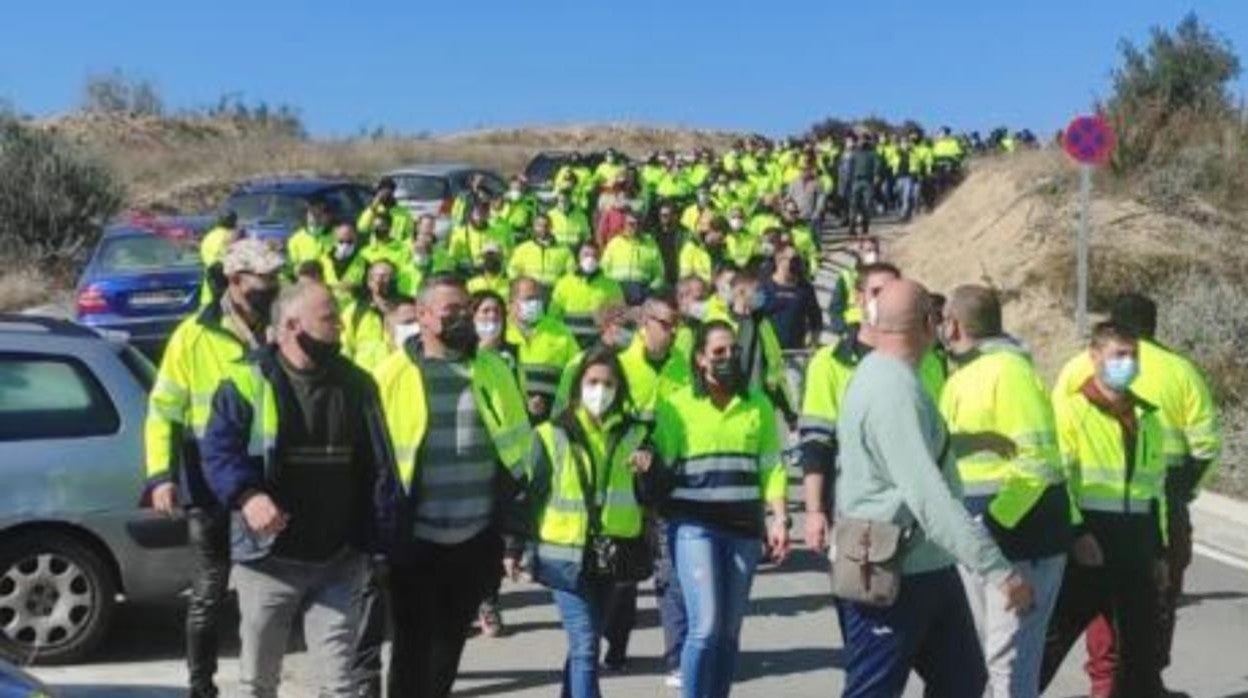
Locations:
column 231, row 471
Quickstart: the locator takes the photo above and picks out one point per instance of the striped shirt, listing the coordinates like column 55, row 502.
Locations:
column 456, row 476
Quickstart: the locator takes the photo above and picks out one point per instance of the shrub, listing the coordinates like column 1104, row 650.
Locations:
column 52, row 197
column 116, row 93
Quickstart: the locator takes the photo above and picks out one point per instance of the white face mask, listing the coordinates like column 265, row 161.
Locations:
column 343, row 250
column 870, row 257
column 530, row 311
column 736, row 223
column 697, row 310
column 488, row 329
column 405, row 331
column 597, row 398
column 513, row 195
column 589, row 265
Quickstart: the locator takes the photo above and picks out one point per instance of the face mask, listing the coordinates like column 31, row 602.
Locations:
column 320, row 352
column 405, row 331
column 870, row 258
column 1118, row 374
column 492, row 264
column 488, row 329
column 624, row 337
column 260, row 301
column 420, row 259
column 767, row 249
column 727, row 372
column 458, row 333
column 589, row 265
column 343, row 250
column 757, row 300
column 513, row 195
column 697, row 310
column 597, row 398
column 736, row 224
column 724, row 291
column 530, row 311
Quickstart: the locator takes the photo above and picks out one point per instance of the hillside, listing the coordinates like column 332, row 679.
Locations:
column 189, row 164
column 1011, row 224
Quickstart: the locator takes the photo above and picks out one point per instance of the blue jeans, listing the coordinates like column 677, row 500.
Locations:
column 583, row 617
column 716, row 569
column 929, row 629
column 671, row 601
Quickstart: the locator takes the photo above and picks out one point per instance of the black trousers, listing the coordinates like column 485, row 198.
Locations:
column 434, row 598
column 209, row 535
column 372, row 633
column 1127, row 593
column 620, row 620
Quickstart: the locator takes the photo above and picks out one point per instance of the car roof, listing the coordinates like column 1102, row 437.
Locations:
column 44, row 326
column 435, row 168
column 295, row 186
column 157, row 225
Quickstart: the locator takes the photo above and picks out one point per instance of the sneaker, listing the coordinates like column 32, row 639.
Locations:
column 673, row 680
column 490, row 621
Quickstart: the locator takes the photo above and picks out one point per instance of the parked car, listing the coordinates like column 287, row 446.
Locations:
column 142, row 279
column 276, row 208
column 541, row 170
column 73, row 538
column 432, row 189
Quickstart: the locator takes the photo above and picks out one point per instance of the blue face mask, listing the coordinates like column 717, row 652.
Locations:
column 1118, row 374
column 758, row 300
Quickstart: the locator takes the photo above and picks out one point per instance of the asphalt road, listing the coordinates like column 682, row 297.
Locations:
column 790, row 646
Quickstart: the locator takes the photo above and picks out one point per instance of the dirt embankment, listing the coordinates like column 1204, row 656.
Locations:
column 190, row 164
column 1012, row 225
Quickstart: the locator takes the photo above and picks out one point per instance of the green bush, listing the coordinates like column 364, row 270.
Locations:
column 52, row 197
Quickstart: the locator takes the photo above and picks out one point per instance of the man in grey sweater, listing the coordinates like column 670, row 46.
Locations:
column 894, row 466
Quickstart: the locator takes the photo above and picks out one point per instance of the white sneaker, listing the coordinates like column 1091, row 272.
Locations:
column 672, row 680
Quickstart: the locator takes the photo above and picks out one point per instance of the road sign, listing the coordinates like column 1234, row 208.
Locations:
column 1089, row 140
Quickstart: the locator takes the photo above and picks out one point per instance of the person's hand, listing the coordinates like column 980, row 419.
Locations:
column 165, row 498
column 817, row 529
column 262, row 515
column 641, row 461
column 1019, row 595
column 511, row 567
column 778, row 539
column 1087, row 551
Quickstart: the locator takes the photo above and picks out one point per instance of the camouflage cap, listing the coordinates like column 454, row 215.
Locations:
column 252, row 256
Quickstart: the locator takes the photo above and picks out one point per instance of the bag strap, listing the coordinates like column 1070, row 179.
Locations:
column 585, row 473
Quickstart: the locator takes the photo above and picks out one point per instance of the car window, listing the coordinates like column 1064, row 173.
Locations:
column 493, row 184
column 342, row 205
column 420, row 187
column 44, row 397
column 147, row 252
column 269, row 209
column 138, row 365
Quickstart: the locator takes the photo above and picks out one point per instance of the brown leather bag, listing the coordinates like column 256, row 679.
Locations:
column 866, row 560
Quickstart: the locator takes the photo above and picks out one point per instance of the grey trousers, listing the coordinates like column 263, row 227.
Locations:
column 1013, row 644
column 270, row 592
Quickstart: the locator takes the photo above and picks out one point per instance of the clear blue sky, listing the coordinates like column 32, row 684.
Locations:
column 769, row 66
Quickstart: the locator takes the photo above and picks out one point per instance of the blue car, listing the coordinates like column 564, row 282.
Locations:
column 276, row 208
column 143, row 278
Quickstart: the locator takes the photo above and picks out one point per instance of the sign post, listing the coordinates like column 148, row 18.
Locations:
column 1089, row 141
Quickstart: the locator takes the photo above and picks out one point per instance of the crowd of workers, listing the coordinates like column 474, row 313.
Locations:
column 374, row 426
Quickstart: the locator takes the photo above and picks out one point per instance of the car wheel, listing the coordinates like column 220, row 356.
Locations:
column 57, row 596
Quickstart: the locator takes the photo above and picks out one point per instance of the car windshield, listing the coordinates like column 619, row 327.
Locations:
column 147, row 252
column 269, row 209
column 420, row 187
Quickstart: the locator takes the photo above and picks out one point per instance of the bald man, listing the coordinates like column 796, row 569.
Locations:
column 896, row 466
column 309, row 498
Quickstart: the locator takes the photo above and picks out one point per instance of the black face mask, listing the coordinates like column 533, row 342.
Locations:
column 320, row 352
column 727, row 372
column 260, row 301
column 458, row 333
column 492, row 264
